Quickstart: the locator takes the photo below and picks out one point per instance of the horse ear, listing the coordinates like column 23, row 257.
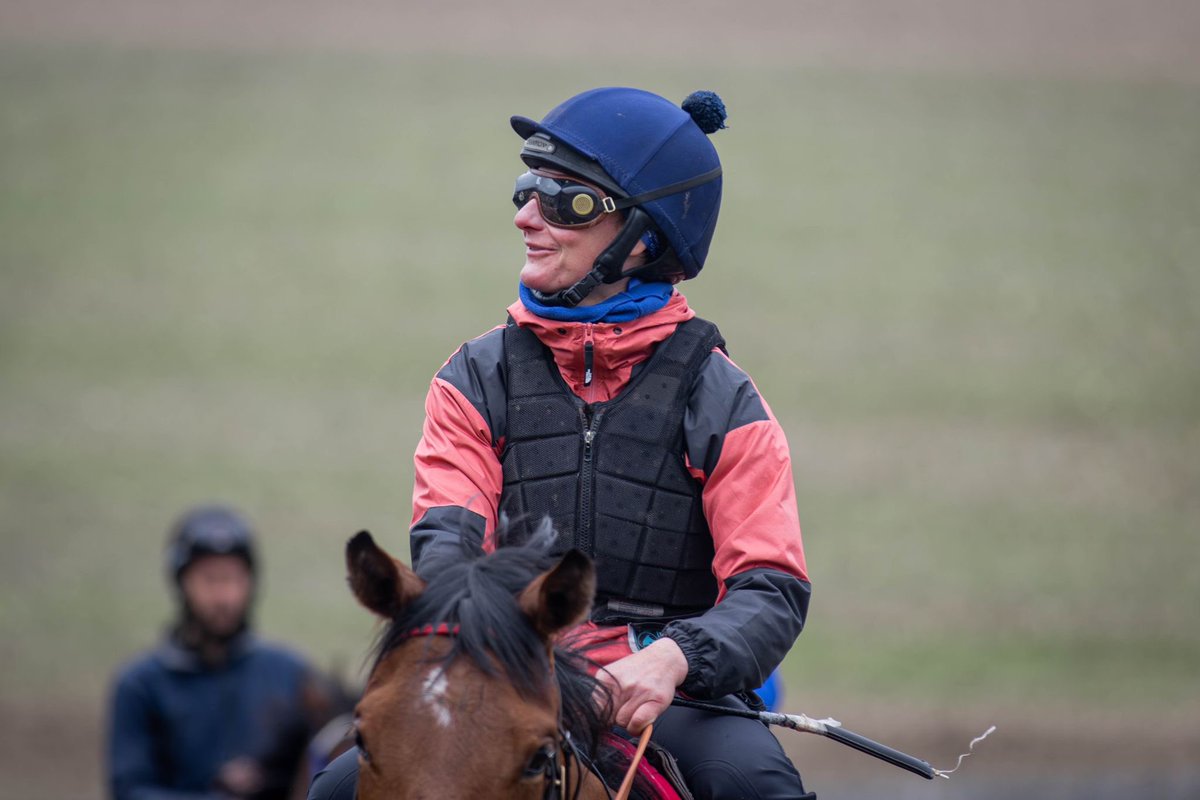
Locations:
column 380, row 582
column 561, row 596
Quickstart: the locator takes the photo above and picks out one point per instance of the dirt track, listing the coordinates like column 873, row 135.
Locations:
column 1134, row 38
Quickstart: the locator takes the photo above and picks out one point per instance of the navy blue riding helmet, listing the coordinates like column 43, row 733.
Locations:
column 653, row 157
column 208, row 530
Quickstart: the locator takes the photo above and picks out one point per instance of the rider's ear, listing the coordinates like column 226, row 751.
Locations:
column 380, row 582
column 561, row 596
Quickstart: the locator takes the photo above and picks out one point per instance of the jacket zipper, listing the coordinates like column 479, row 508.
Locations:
column 589, row 361
column 591, row 423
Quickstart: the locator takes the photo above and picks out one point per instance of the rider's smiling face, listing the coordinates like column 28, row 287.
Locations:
column 557, row 258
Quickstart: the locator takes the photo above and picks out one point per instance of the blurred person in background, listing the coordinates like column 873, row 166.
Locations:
column 211, row 712
column 608, row 406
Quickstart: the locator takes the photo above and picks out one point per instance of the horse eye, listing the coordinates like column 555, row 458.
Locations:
column 539, row 764
column 362, row 748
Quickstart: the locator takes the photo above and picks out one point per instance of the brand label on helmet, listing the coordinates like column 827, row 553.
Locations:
column 539, row 145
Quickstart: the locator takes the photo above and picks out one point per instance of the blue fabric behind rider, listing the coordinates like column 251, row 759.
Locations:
column 771, row 692
column 639, row 299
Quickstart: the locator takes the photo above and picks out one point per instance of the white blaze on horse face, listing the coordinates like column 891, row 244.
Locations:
column 433, row 692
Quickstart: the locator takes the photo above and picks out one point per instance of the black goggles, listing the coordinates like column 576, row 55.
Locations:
column 564, row 203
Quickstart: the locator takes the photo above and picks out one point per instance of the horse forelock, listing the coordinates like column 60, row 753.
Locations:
column 475, row 593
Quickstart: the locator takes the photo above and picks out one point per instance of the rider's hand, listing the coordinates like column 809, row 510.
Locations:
column 643, row 683
column 241, row 777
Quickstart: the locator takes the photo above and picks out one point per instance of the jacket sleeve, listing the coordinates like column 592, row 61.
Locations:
column 133, row 771
column 458, row 478
column 738, row 449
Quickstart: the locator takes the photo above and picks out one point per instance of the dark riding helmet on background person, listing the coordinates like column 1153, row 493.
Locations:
column 653, row 158
column 210, row 530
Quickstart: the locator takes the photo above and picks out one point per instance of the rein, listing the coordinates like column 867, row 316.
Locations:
column 627, row 784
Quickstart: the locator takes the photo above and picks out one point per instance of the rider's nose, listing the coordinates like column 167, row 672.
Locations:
column 529, row 215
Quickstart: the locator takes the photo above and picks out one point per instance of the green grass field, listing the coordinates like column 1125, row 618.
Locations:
column 974, row 302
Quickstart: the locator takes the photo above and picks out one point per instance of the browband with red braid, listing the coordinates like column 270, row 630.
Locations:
column 441, row 629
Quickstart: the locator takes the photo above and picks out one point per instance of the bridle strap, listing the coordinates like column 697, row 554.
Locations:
column 440, row 629
column 558, row 771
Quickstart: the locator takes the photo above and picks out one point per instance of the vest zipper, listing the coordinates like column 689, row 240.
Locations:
column 591, row 424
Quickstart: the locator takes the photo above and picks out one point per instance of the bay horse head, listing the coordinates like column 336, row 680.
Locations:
column 468, row 697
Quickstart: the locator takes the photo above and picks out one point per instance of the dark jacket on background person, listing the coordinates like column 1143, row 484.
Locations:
column 174, row 722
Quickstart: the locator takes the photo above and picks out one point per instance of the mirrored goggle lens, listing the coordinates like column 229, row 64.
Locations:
column 564, row 203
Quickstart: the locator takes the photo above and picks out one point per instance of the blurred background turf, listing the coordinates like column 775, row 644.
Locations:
column 972, row 298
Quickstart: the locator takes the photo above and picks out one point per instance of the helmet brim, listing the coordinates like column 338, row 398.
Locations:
column 562, row 156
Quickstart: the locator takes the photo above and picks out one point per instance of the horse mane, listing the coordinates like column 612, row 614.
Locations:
column 476, row 592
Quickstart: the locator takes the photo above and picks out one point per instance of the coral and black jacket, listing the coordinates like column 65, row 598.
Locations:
column 733, row 448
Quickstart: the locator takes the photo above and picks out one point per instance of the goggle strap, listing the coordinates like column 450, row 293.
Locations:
column 611, row 205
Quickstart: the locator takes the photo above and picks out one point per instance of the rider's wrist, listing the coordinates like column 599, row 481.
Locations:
column 678, row 659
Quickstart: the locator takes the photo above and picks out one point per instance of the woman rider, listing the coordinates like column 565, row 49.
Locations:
column 607, row 405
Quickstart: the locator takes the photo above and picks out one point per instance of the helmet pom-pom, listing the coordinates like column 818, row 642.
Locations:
column 706, row 110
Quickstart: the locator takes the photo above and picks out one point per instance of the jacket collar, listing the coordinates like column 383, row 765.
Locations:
column 616, row 347
column 173, row 655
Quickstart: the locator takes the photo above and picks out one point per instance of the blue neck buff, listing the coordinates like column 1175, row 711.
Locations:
column 639, row 299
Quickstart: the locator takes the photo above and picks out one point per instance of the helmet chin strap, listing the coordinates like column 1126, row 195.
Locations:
column 609, row 266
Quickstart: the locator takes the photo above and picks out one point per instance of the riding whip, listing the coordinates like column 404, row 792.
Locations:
column 832, row 729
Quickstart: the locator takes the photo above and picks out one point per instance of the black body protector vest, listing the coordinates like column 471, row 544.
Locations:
column 612, row 476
